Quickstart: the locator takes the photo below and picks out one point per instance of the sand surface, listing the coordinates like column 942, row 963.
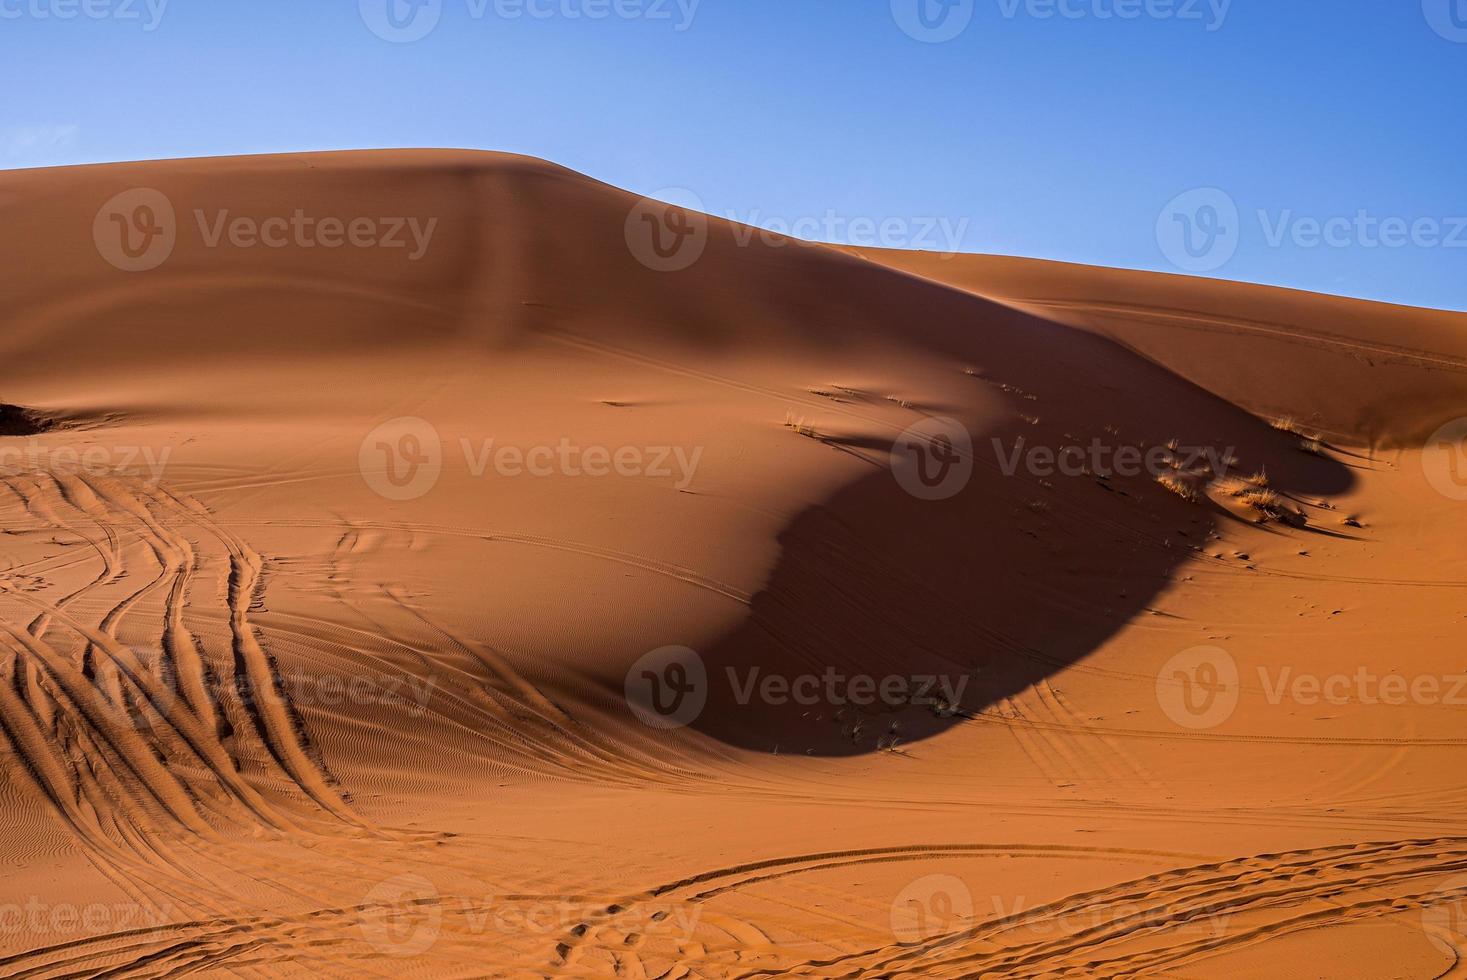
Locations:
column 509, row 602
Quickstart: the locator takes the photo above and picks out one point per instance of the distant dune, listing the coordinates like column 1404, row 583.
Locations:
column 440, row 564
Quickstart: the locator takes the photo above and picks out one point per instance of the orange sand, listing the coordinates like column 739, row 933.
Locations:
column 306, row 676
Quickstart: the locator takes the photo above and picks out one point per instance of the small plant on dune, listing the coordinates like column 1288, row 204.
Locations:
column 1180, row 485
column 1253, row 492
column 1266, row 503
column 800, row 426
column 1309, row 440
column 943, row 708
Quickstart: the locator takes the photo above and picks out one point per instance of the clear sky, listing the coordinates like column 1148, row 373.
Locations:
column 1112, row 132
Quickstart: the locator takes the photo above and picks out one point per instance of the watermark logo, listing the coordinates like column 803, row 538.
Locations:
column 401, row 459
column 933, row 460
column 932, row 21
column 306, row 231
column 1361, row 230
column 567, row 458
column 1198, row 688
column 145, row 463
column 1199, row 231
column 1445, row 920
column 1212, row 14
column 928, row 233
column 668, row 230
column 149, row 13
column 402, row 916
column 405, row 21
column 136, row 230
column 35, row 918
column 1448, row 18
column 668, row 688
column 1103, row 459
column 1364, row 686
column 136, row 709
column 936, row 905
column 1445, row 460
column 401, row 21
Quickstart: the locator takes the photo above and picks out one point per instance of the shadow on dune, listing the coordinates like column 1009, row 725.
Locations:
column 951, row 606
column 956, row 604
column 17, row 421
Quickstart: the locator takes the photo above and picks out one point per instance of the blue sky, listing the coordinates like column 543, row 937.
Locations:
column 1319, row 144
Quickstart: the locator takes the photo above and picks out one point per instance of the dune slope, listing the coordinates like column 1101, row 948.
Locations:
column 434, row 563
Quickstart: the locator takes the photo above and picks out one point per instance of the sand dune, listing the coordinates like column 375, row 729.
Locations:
column 434, row 563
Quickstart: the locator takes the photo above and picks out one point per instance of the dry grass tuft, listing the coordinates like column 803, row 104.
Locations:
column 800, row 426
column 1180, row 485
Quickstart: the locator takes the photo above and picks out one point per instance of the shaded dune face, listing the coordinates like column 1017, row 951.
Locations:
column 17, row 421
column 1025, row 571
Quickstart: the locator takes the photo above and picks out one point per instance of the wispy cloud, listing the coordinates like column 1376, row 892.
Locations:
column 27, row 142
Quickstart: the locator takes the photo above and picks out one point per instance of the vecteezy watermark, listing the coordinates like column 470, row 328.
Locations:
column 1362, row 686
column 302, row 230
column 1100, row 458
column 667, row 231
column 931, row 234
column 1211, row 14
column 404, row 916
column 147, row 13
column 931, row 906
column 403, row 458
column 1198, row 688
column 1361, row 230
column 303, row 689
column 1444, row 919
column 567, row 458
column 146, row 703
column 669, row 688
column 38, row 918
column 933, row 460
column 1448, row 18
column 1444, row 460
column 405, row 21
column 1200, row 230
column 90, row 459
column 944, row 905
column 933, row 21
column 137, row 230
column 936, row 21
